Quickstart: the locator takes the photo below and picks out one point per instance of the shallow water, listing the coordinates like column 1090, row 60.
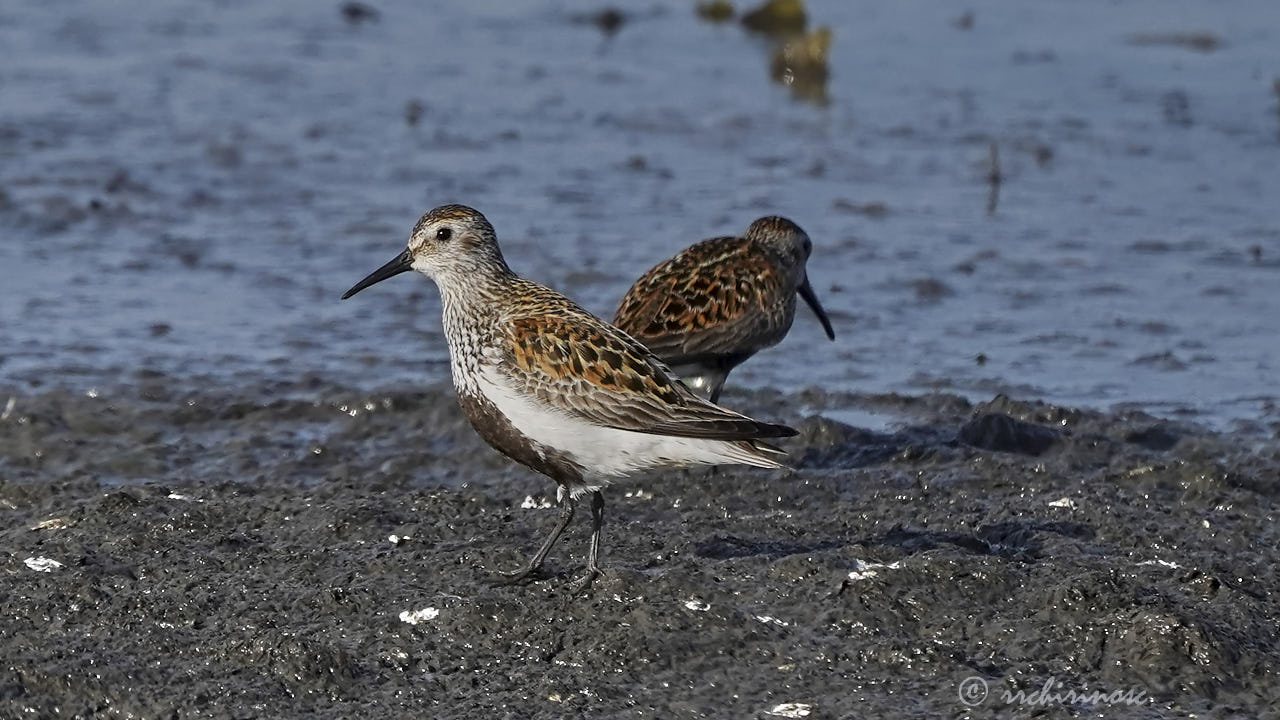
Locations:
column 188, row 188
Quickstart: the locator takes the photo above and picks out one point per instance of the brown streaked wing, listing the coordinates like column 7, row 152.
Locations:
column 646, row 309
column 572, row 361
column 717, row 297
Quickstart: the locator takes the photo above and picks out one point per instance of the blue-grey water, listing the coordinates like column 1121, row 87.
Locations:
column 188, row 187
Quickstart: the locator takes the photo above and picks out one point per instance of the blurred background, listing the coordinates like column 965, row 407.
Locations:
column 1078, row 202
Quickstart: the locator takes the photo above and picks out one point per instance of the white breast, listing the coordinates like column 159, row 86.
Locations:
column 605, row 451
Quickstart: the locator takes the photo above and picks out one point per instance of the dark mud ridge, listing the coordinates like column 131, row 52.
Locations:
column 312, row 551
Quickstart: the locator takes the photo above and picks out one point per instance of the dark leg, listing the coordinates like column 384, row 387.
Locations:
column 593, row 555
column 716, row 377
column 535, row 562
column 715, row 389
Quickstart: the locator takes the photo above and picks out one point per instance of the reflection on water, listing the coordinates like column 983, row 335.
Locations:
column 800, row 63
column 797, row 58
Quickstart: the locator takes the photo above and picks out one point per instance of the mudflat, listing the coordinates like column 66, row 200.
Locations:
column 305, row 550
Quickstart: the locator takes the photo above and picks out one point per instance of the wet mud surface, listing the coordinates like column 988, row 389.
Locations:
column 260, row 551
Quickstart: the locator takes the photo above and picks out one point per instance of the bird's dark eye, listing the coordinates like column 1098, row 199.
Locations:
column 444, row 233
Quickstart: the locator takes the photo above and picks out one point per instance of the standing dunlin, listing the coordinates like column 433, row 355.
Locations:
column 556, row 389
column 720, row 301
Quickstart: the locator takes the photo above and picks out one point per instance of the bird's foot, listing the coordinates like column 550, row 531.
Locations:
column 514, row 577
column 585, row 581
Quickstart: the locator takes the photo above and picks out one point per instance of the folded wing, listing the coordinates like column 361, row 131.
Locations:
column 708, row 301
column 573, row 361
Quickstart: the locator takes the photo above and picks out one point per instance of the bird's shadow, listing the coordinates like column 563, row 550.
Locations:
column 1020, row 540
column 725, row 547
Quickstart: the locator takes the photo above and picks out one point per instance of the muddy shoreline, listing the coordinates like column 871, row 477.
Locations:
column 208, row 511
column 258, row 551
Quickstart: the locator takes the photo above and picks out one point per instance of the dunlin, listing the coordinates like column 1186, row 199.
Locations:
column 720, row 301
column 556, row 389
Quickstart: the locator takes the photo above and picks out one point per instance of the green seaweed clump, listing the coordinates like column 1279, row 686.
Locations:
column 777, row 17
column 716, row 11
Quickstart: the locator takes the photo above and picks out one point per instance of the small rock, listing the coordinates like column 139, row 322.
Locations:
column 1156, row 437
column 42, row 564
column 790, row 710
column 357, row 12
column 414, row 617
column 1001, row 433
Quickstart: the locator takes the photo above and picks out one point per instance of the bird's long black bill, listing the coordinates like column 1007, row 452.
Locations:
column 400, row 263
column 806, row 292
